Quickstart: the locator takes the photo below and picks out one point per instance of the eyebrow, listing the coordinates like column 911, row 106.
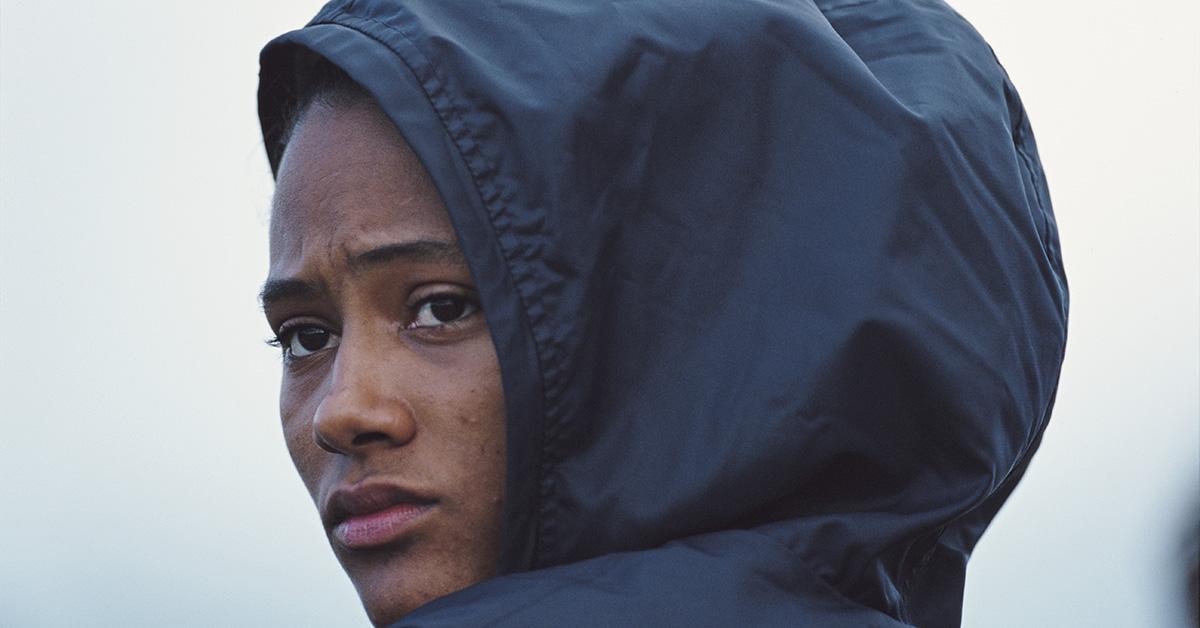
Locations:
column 276, row 290
column 416, row 251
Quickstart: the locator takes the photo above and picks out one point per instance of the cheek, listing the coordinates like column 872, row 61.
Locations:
column 480, row 426
column 297, row 405
column 475, row 397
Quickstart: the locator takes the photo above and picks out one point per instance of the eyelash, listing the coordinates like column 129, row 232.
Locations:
column 283, row 336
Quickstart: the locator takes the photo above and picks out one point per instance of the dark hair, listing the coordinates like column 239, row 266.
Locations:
column 313, row 80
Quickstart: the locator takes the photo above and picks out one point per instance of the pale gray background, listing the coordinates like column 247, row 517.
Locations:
column 145, row 481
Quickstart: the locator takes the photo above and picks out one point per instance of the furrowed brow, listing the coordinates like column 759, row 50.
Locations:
column 417, row 251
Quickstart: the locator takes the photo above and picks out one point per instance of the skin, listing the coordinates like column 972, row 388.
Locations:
column 399, row 390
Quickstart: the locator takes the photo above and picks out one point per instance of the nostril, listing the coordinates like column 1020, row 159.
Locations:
column 367, row 438
column 324, row 444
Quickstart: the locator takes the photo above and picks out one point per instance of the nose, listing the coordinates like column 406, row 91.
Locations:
column 365, row 406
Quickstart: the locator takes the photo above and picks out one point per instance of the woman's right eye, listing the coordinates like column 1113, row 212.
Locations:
column 305, row 341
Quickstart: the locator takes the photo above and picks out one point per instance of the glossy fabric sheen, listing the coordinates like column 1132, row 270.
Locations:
column 775, row 287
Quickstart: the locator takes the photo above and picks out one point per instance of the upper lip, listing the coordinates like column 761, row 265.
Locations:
column 365, row 498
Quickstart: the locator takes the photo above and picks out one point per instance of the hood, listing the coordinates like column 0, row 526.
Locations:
column 775, row 287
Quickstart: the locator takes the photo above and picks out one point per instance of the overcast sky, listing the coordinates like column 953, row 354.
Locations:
column 145, row 477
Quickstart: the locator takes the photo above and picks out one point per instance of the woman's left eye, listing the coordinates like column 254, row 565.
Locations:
column 443, row 309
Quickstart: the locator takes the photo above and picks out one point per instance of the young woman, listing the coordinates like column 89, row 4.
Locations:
column 658, row 313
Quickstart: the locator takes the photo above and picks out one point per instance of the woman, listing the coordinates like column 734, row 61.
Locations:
column 657, row 313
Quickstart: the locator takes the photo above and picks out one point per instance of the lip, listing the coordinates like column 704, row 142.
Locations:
column 370, row 515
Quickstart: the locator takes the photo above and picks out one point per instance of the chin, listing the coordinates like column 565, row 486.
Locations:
column 388, row 602
column 391, row 587
column 387, row 615
column 389, row 595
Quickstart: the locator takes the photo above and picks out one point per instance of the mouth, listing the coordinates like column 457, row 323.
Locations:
column 371, row 515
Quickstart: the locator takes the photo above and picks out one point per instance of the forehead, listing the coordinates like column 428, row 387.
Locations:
column 348, row 182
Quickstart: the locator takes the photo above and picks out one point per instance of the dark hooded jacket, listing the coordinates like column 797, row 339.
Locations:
column 775, row 287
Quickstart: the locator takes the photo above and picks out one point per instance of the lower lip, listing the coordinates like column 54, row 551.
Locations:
column 378, row 528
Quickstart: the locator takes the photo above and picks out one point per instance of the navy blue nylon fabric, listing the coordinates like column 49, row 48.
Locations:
column 775, row 287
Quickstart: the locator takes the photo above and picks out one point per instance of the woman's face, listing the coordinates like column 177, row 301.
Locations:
column 391, row 399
